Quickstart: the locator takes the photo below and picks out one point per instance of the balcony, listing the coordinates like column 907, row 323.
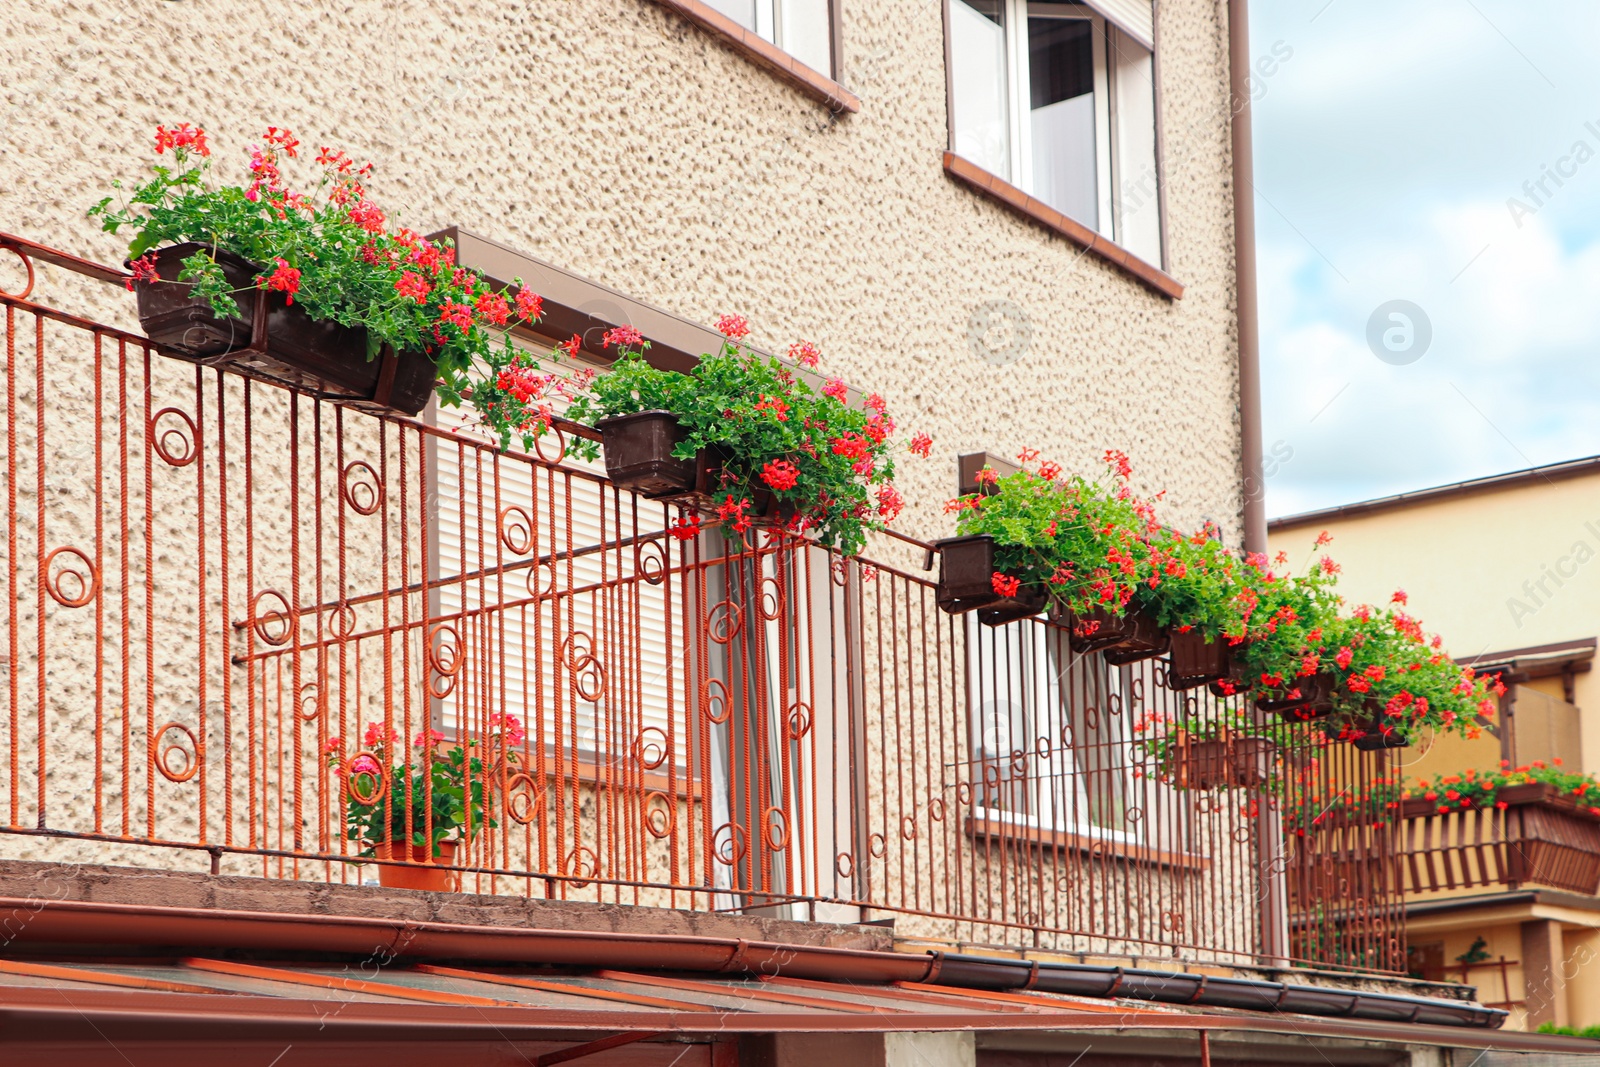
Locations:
column 219, row 585
column 1539, row 838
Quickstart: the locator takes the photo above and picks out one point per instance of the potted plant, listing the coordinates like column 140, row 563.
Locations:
column 411, row 816
column 313, row 289
column 1227, row 751
column 1079, row 544
column 1390, row 680
column 1192, row 592
column 746, row 436
column 1279, row 649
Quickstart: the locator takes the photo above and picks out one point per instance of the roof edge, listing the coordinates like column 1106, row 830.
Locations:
column 1554, row 472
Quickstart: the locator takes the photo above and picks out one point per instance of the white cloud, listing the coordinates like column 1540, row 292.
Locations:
column 1386, row 150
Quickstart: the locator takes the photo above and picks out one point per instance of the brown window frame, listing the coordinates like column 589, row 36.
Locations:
column 824, row 87
column 998, row 189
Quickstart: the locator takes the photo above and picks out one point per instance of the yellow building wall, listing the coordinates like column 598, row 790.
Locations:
column 1492, row 571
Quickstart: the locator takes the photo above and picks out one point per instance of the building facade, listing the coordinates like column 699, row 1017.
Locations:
column 764, row 765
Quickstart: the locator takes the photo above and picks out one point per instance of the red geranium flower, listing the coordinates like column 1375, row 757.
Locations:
column 285, row 279
column 780, row 474
column 733, row 327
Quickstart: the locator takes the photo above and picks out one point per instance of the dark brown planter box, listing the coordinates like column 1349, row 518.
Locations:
column 966, row 583
column 1025, row 605
column 1314, row 702
column 1193, row 661
column 1375, row 740
column 638, row 450
column 1242, row 762
column 1123, row 639
column 276, row 341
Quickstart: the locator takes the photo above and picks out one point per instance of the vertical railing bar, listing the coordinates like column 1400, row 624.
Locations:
column 99, row 577
column 224, row 614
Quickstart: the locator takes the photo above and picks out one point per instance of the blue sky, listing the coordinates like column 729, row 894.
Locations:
column 1388, row 147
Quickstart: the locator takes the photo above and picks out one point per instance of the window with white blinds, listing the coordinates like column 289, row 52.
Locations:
column 526, row 569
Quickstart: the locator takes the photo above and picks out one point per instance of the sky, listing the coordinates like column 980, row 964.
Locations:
column 1400, row 149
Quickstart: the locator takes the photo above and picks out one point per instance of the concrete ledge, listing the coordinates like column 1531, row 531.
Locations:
column 135, row 886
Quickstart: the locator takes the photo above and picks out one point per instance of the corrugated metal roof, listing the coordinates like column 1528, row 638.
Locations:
column 396, row 998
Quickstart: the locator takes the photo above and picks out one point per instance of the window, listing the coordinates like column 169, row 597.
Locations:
column 1059, row 100
column 802, row 28
column 1051, row 732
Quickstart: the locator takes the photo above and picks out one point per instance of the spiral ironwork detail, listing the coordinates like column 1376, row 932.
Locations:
column 164, row 753
column 175, row 445
column 87, row 579
column 361, row 488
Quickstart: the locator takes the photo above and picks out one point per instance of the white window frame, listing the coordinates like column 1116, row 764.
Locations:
column 1109, row 222
column 1044, row 692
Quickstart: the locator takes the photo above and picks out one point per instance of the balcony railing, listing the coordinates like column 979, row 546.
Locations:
column 1538, row 838
column 215, row 583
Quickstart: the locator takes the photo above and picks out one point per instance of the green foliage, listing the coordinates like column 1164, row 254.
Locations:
column 331, row 252
column 1091, row 544
column 1469, row 789
column 772, row 432
column 1590, row 1032
column 403, row 792
column 1476, row 953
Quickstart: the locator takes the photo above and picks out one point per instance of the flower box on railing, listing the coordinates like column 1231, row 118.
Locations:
column 1539, row 836
column 276, row 340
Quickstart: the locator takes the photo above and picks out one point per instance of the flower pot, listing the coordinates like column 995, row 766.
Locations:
column 966, row 573
column 1229, row 685
column 1194, row 660
column 275, row 341
column 428, row 878
column 1312, row 699
column 638, row 450
column 1374, row 738
column 1025, row 605
column 1242, row 762
column 765, row 503
column 1125, row 638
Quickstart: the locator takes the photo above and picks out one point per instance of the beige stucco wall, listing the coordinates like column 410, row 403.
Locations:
column 613, row 138
column 1472, row 567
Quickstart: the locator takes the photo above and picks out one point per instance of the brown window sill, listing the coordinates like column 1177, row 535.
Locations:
column 1074, row 231
column 767, row 54
column 1010, row 834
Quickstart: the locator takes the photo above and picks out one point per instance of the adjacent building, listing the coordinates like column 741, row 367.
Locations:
column 1500, row 567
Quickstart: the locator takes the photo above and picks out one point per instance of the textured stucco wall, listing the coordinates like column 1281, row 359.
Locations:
column 613, row 138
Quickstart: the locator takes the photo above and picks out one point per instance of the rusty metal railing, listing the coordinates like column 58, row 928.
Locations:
column 215, row 585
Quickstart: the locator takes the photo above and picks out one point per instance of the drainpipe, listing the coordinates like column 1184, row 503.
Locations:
column 1274, row 888
column 1244, row 272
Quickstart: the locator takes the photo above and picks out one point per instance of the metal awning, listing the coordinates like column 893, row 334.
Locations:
column 539, row 1013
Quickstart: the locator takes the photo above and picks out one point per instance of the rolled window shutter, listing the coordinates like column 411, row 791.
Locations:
column 1135, row 18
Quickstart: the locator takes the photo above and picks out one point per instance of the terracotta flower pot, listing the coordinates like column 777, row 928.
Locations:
column 1314, row 699
column 1241, row 762
column 273, row 340
column 1193, row 660
column 429, row 878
